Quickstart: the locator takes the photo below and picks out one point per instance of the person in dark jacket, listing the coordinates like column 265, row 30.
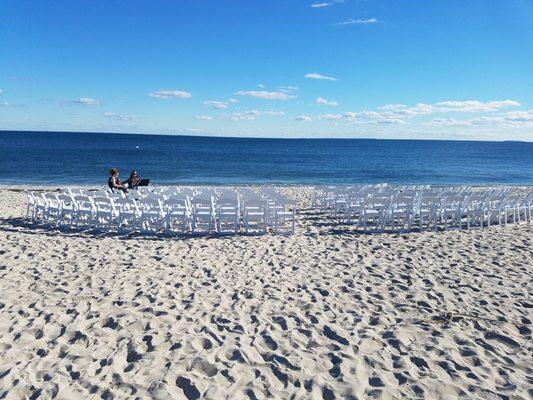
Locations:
column 113, row 182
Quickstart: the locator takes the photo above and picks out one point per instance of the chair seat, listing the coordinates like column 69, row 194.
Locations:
column 399, row 212
column 177, row 212
column 255, row 214
column 84, row 211
column 203, row 213
column 152, row 213
column 372, row 212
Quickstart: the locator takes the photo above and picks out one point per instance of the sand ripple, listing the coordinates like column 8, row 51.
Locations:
column 319, row 315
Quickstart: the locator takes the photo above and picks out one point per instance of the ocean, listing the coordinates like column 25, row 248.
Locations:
column 61, row 158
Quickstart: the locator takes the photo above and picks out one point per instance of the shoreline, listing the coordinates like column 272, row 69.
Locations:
column 24, row 186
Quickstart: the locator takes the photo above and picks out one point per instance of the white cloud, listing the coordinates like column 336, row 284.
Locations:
column 474, row 105
column 304, row 118
column 468, row 106
column 260, row 86
column 87, row 101
column 484, row 120
column 287, row 89
column 374, row 117
column 393, row 107
column 325, row 4
column 245, row 115
column 320, row 5
column 349, row 115
column 368, row 21
column 331, row 117
column 510, row 119
column 405, row 111
column 119, row 117
column 203, row 117
column 366, row 117
column 7, row 104
column 274, row 112
column 169, row 94
column 233, row 101
column 263, row 94
column 390, row 121
column 1, row 91
column 219, row 105
column 449, row 122
column 325, row 102
column 400, row 114
column 315, row 75
column 520, row 116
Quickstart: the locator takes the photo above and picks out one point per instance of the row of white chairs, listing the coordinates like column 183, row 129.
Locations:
column 400, row 209
column 184, row 210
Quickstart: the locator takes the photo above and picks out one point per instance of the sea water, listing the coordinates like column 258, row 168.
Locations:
column 84, row 158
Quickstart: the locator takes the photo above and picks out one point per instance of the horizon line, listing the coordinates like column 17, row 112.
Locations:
column 262, row 138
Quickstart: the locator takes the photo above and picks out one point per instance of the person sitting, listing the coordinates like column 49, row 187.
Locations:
column 113, row 182
column 132, row 181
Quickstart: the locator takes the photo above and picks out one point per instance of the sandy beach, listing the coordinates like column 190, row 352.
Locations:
column 324, row 314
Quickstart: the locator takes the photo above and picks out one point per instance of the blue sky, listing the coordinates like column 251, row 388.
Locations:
column 435, row 69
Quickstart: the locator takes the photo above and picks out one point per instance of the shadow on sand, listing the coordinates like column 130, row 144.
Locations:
column 23, row 225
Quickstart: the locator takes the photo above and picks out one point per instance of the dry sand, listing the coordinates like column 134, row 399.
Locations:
column 323, row 314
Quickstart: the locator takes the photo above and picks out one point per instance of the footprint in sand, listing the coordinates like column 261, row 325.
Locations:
column 189, row 389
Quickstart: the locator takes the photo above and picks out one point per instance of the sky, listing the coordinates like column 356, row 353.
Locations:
column 400, row 69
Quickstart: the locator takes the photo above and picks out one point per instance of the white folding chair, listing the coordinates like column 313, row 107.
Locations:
column 68, row 209
column 452, row 207
column 355, row 204
column 427, row 210
column 340, row 204
column 105, row 215
column 328, row 197
column 202, row 214
column 228, row 213
column 75, row 192
column 36, row 206
column 374, row 214
column 52, row 212
column 528, row 205
column 177, row 214
column 255, row 216
column 129, row 215
column 152, row 214
column 512, row 208
column 284, row 220
column 475, row 210
column 400, row 214
column 85, row 211
column 494, row 211
column 316, row 196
